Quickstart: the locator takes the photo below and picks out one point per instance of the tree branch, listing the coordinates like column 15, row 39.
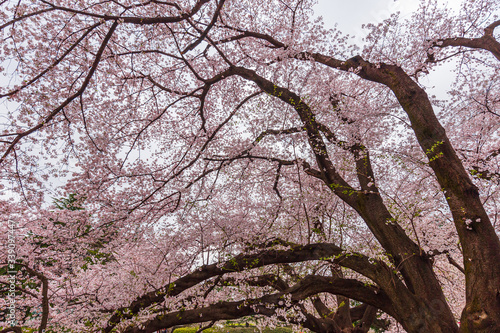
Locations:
column 266, row 305
column 47, row 119
column 133, row 20
column 377, row 271
column 486, row 42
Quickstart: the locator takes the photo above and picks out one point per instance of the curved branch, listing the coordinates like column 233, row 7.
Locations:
column 486, row 42
column 267, row 305
column 245, row 33
column 207, row 29
column 297, row 253
column 328, row 171
column 133, row 20
column 45, row 297
column 15, row 329
column 68, row 100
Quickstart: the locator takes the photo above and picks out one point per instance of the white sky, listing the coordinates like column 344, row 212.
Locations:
column 350, row 15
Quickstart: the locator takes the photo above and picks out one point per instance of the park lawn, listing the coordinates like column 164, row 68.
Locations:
column 233, row 329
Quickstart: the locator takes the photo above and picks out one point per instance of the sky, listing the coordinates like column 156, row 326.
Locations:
column 350, row 15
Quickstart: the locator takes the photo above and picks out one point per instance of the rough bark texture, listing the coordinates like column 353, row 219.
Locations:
column 424, row 290
column 481, row 246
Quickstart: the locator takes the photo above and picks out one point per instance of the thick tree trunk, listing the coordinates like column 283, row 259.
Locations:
column 480, row 243
column 416, row 306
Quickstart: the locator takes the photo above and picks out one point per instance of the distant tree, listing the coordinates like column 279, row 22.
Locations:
column 222, row 159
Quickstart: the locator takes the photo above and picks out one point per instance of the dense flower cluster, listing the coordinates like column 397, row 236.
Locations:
column 171, row 163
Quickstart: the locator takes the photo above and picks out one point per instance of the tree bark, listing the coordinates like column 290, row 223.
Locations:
column 481, row 245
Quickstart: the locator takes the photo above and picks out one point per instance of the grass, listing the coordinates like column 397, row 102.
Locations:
column 233, row 329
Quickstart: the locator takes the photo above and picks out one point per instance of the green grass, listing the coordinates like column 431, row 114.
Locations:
column 233, row 329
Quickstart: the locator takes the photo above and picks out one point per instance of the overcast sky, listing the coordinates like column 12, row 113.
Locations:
column 350, row 15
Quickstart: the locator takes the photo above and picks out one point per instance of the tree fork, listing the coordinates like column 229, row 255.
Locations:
column 416, row 268
column 481, row 245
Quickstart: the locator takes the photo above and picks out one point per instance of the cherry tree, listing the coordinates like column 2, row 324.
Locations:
column 172, row 163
